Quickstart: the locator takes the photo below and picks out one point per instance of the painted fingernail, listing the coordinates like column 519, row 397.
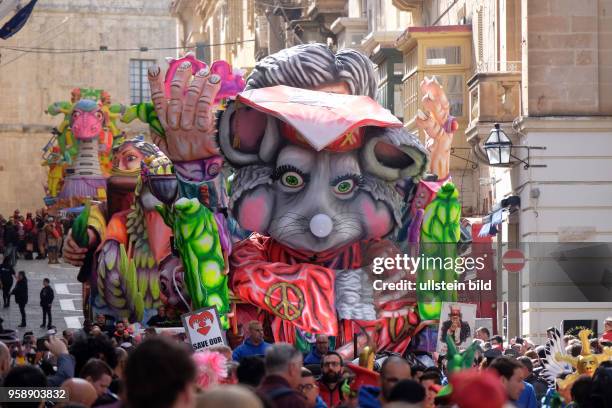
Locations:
column 154, row 70
column 202, row 122
column 214, row 79
column 185, row 66
column 203, row 72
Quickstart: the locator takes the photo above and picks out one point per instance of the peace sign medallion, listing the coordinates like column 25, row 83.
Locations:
column 285, row 308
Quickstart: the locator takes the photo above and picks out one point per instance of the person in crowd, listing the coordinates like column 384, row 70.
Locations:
column 497, row 342
column 393, row 370
column 581, row 392
column 85, row 348
column 251, row 370
column 29, row 229
column 65, row 362
column 99, row 374
column 331, row 378
column 121, row 334
column 159, row 318
column 482, row 333
column 574, row 349
column 429, row 380
column 25, row 376
column 211, row 368
column 606, row 337
column 407, row 391
column 228, row 396
column 79, row 391
column 321, row 347
column 510, row 372
column 283, row 376
column 5, row 360
column 52, row 238
column 6, row 278
column 59, row 227
column 68, row 336
column 417, row 371
column 10, row 239
column 539, row 386
column 20, row 291
column 105, row 325
column 254, row 344
column 46, row 300
column 41, row 236
column 310, row 389
column 160, row 374
column 116, row 386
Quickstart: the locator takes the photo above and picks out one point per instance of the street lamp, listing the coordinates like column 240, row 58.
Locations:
column 498, row 147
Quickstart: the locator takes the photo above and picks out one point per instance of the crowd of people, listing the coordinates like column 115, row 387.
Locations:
column 105, row 364
column 111, row 363
column 43, row 234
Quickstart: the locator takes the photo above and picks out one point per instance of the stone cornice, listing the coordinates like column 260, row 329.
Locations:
column 375, row 38
column 343, row 23
column 565, row 124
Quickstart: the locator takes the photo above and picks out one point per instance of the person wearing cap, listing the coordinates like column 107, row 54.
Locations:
column 606, row 337
column 458, row 329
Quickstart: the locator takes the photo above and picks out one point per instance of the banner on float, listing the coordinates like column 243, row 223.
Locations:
column 573, row 327
column 457, row 320
column 203, row 328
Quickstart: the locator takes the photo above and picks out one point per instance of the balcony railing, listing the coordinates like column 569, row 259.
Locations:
column 499, row 66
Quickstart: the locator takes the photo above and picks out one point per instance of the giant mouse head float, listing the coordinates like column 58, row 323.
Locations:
column 316, row 169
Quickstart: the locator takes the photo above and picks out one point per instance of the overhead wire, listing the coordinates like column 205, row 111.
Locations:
column 42, row 50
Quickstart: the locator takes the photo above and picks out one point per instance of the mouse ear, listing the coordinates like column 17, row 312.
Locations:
column 247, row 136
column 393, row 153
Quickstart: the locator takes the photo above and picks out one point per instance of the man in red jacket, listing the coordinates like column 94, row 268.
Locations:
column 330, row 381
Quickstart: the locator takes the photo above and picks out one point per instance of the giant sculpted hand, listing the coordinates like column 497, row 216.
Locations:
column 438, row 124
column 187, row 114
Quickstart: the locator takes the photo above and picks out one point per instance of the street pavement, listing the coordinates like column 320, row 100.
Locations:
column 67, row 309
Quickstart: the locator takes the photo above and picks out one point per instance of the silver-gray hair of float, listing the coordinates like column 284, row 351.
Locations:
column 308, row 200
column 313, row 65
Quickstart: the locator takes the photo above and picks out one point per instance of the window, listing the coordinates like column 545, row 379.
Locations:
column 139, row 83
column 410, row 61
column 453, row 86
column 443, row 56
column 398, row 69
column 398, row 109
column 411, row 96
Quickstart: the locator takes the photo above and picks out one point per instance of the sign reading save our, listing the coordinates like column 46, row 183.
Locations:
column 203, row 328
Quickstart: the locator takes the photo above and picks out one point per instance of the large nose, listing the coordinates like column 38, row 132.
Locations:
column 321, row 225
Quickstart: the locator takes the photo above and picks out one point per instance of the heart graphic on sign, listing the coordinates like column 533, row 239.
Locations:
column 200, row 320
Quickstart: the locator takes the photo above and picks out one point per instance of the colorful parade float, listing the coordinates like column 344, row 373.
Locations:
column 273, row 199
column 79, row 153
column 268, row 200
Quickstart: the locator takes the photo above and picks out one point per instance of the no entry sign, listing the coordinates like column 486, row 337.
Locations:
column 513, row 260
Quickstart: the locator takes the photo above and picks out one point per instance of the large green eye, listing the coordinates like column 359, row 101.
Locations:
column 292, row 179
column 345, row 186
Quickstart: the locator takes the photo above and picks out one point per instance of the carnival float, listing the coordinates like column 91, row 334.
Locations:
column 268, row 199
column 323, row 177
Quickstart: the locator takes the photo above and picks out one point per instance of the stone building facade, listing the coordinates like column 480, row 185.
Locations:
column 30, row 81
